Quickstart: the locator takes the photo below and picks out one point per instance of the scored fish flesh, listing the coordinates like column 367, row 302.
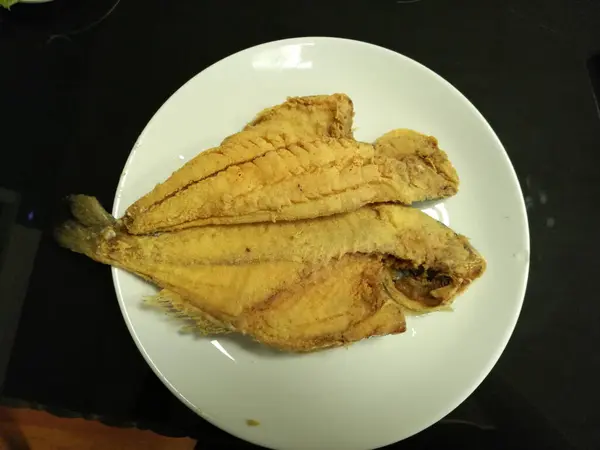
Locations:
column 307, row 180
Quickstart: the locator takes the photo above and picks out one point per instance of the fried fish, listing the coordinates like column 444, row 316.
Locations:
column 297, row 286
column 299, row 118
column 331, row 280
column 306, row 180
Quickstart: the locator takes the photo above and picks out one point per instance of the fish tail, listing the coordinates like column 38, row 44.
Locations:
column 89, row 212
column 91, row 221
column 76, row 237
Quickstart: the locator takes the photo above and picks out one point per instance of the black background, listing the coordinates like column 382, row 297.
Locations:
column 73, row 99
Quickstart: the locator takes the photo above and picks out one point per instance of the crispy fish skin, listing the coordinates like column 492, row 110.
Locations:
column 221, row 266
column 416, row 158
column 299, row 118
column 400, row 232
column 311, row 116
column 307, row 180
column 293, row 306
column 267, row 186
column 341, row 303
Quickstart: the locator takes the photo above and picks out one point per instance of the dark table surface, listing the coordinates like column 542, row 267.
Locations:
column 75, row 93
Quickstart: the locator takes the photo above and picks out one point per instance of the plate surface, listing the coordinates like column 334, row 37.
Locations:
column 380, row 390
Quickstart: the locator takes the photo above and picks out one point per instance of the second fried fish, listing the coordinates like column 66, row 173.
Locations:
column 305, row 180
column 298, row 285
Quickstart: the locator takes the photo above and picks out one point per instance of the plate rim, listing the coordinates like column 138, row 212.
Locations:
column 462, row 395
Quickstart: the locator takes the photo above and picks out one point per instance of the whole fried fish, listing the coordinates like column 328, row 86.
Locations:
column 305, row 180
column 299, row 118
column 382, row 253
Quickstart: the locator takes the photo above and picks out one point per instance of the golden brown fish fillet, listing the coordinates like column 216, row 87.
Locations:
column 342, row 303
column 299, row 118
column 221, row 270
column 307, row 180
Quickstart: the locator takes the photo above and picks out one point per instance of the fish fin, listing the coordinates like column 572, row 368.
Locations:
column 197, row 320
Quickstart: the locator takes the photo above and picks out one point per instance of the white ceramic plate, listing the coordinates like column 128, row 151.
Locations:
column 380, row 390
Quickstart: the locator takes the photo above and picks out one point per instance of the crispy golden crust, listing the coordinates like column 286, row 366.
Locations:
column 339, row 304
column 225, row 271
column 312, row 116
column 420, row 157
column 307, row 180
column 393, row 230
column 297, row 286
column 299, row 118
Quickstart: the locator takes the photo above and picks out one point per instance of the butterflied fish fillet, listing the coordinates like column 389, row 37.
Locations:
column 299, row 118
column 221, row 270
column 307, row 180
